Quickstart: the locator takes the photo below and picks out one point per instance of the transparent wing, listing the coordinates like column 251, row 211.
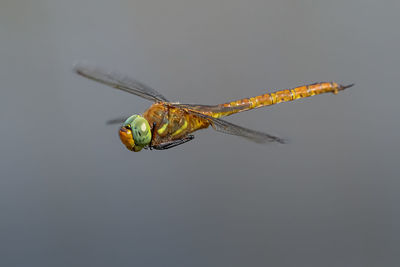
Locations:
column 233, row 129
column 252, row 135
column 119, row 81
column 116, row 120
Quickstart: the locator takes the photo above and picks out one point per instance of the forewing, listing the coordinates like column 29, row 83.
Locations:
column 116, row 120
column 233, row 129
column 119, row 81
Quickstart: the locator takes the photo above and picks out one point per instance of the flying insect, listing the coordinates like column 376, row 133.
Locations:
column 166, row 124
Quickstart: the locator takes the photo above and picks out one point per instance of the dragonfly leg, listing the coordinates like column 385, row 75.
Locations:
column 174, row 143
column 152, row 136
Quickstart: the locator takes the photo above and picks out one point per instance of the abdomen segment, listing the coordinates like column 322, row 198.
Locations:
column 272, row 98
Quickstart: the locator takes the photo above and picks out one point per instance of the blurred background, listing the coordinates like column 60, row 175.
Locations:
column 72, row 195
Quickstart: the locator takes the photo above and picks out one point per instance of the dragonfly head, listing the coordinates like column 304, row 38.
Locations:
column 135, row 133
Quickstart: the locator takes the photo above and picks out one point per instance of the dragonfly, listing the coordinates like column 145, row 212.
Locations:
column 167, row 124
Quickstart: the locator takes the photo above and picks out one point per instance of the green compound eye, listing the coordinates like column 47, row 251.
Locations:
column 128, row 122
column 141, row 131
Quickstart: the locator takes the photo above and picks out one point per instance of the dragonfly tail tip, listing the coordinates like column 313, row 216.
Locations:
column 343, row 87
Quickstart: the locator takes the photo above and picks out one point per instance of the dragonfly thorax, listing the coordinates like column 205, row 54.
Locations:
column 135, row 133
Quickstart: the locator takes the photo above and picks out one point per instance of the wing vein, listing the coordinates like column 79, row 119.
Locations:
column 119, row 81
column 233, row 129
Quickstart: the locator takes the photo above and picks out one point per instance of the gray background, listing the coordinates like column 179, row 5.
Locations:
column 72, row 195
